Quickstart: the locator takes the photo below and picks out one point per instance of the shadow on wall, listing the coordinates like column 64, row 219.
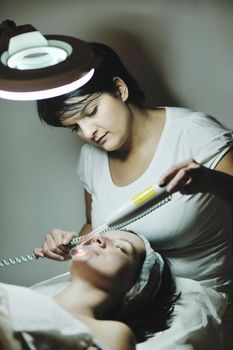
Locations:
column 142, row 66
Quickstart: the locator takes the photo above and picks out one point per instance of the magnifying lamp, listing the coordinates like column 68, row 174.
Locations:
column 35, row 66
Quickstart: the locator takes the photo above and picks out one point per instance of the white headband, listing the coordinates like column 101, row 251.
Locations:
column 149, row 280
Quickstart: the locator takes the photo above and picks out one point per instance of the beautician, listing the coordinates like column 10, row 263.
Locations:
column 128, row 147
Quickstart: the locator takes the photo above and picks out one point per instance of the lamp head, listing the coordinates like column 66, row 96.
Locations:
column 35, row 66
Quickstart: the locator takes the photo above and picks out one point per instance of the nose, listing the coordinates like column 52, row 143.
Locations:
column 88, row 129
column 100, row 241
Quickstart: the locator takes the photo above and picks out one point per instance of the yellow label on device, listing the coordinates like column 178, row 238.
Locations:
column 144, row 196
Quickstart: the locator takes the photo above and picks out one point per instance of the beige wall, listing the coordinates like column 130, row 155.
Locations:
column 181, row 53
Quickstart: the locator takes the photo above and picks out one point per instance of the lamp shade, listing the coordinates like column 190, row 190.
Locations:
column 35, row 66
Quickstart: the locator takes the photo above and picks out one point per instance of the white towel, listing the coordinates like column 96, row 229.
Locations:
column 197, row 320
column 39, row 320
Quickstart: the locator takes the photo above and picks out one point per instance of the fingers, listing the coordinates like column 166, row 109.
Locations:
column 171, row 172
column 52, row 252
column 38, row 252
column 46, row 253
column 54, row 245
column 181, row 177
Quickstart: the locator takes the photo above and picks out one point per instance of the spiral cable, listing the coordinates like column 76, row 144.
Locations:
column 76, row 240
column 18, row 260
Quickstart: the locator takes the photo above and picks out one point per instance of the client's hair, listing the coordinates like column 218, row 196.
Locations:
column 148, row 306
column 154, row 316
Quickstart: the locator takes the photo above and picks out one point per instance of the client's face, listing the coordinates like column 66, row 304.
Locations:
column 112, row 260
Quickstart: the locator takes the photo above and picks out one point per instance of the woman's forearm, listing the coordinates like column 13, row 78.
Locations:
column 221, row 185
column 87, row 227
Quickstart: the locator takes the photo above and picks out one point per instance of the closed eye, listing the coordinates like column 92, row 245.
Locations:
column 92, row 112
column 123, row 249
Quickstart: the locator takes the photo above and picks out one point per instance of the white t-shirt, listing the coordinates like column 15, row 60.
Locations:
column 193, row 231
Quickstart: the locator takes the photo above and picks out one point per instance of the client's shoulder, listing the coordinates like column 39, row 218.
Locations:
column 114, row 334
column 120, row 334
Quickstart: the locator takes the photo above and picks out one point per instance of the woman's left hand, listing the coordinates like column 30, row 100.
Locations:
column 187, row 177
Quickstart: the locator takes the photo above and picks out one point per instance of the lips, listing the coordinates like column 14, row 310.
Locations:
column 81, row 251
column 90, row 248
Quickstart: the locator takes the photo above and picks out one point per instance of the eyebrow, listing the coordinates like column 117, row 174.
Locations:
column 85, row 102
column 86, row 105
column 126, row 240
column 78, row 107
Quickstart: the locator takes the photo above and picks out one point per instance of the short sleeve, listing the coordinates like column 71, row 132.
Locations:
column 84, row 168
column 207, row 139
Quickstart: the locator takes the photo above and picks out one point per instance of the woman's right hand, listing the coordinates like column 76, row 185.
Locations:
column 54, row 245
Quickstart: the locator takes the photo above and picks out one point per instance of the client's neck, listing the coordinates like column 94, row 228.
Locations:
column 84, row 300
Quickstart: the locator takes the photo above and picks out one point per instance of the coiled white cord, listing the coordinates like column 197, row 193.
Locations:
column 76, row 240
